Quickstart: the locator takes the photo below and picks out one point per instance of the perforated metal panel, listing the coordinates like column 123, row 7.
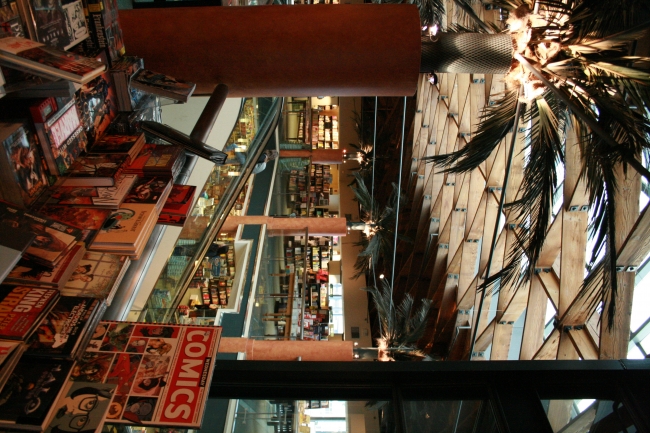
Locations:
column 477, row 53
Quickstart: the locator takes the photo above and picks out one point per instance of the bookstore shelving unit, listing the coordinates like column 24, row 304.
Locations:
column 325, row 127
column 225, row 186
column 291, row 301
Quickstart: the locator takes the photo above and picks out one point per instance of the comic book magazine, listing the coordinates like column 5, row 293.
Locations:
column 61, row 332
column 162, row 372
column 97, row 106
column 22, row 308
column 106, row 270
column 88, row 219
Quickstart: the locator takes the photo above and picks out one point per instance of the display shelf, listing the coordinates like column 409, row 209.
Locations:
column 325, row 127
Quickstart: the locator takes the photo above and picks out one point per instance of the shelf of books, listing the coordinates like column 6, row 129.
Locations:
column 291, row 300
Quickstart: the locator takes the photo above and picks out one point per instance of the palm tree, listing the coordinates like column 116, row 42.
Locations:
column 401, row 326
column 377, row 225
column 572, row 67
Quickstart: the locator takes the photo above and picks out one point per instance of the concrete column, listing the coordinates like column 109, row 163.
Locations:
column 286, row 350
column 282, row 50
column 292, row 226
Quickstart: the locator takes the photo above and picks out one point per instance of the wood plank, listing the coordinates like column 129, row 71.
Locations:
column 501, row 342
column 552, row 243
column 551, row 284
column 548, row 350
column 485, row 338
column 475, row 200
column 517, row 304
column 583, row 343
column 533, row 335
column 574, row 242
column 468, row 267
column 615, row 333
column 581, row 423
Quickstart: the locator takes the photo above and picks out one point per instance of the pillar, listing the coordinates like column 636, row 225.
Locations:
column 292, row 226
column 288, row 350
column 282, row 50
column 317, row 156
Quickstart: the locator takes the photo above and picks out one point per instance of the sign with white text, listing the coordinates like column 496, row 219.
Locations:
column 162, row 372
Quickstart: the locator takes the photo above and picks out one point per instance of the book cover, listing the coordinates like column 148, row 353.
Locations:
column 40, row 57
column 121, row 71
column 97, row 276
column 81, row 407
column 54, row 132
column 97, row 105
column 172, row 220
column 12, row 249
column 89, row 220
column 155, row 158
column 22, row 177
column 152, row 365
column 110, row 197
column 59, row 333
column 30, row 274
column 21, row 308
column 75, row 20
column 125, row 226
column 163, row 85
column 70, row 150
column 151, row 190
column 50, row 23
column 94, row 170
column 122, row 144
column 180, row 199
column 52, row 239
column 28, row 397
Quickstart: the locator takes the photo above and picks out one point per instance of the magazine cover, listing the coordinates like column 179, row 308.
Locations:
column 117, row 143
column 109, row 197
column 162, row 372
column 60, row 332
column 70, row 150
column 23, row 176
column 91, row 219
column 51, row 27
column 163, row 85
column 21, row 308
column 75, row 21
column 97, row 105
column 97, row 274
column 39, row 57
column 28, row 397
column 95, row 170
column 53, row 239
column 28, row 273
column 125, row 226
column 180, row 200
column 155, row 158
column 149, row 190
column 82, row 407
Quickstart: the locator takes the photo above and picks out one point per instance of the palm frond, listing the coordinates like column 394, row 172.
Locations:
column 496, row 121
column 535, row 203
column 401, row 326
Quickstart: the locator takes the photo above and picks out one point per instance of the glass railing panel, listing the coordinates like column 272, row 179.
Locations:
column 218, row 197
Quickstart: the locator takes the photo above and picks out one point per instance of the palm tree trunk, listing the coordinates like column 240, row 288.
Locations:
column 477, row 53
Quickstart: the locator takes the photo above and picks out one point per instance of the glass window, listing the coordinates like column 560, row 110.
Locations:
column 589, row 415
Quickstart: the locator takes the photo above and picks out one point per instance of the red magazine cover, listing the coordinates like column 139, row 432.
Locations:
column 180, row 200
column 162, row 371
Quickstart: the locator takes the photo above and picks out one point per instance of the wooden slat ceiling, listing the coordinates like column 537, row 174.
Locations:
column 452, row 221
